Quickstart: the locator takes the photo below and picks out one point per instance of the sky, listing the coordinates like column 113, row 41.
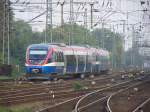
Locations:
column 112, row 13
column 111, row 10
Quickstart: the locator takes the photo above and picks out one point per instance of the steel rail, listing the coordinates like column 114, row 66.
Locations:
column 87, row 95
column 92, row 103
column 140, row 106
column 109, row 99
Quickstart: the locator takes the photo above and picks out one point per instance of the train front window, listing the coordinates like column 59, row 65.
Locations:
column 37, row 54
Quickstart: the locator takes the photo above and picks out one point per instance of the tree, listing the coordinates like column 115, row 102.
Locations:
column 21, row 38
column 133, row 57
column 112, row 42
column 74, row 33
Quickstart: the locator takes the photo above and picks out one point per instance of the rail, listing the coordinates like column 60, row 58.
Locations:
column 140, row 106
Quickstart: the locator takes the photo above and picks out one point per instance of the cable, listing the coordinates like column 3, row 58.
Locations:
column 32, row 6
column 36, row 17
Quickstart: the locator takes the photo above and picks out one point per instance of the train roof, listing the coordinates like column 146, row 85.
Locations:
column 38, row 45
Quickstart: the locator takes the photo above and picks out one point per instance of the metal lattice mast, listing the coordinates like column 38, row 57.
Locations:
column 62, row 13
column 49, row 20
column 85, row 25
column 4, row 23
column 8, row 17
column 91, row 5
column 8, row 30
column 71, row 22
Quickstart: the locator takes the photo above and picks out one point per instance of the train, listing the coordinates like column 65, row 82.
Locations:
column 49, row 60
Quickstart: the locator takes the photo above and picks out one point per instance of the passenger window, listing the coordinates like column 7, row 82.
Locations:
column 58, row 57
column 81, row 59
column 71, row 59
column 96, row 57
column 62, row 56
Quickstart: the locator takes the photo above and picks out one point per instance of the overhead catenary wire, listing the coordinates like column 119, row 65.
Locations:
column 36, row 17
column 78, row 12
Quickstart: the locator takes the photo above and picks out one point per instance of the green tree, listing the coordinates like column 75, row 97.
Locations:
column 21, row 38
column 75, row 32
column 112, row 42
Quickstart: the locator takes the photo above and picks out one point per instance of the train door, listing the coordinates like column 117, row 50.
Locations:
column 60, row 62
column 81, row 63
column 88, row 63
column 70, row 63
column 65, row 64
column 85, row 66
column 97, row 63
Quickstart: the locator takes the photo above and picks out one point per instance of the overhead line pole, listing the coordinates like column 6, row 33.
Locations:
column 8, row 32
column 49, row 21
column 62, row 13
column 71, row 22
column 85, row 24
column 62, row 18
column 91, row 5
column 124, row 31
column 114, row 50
column 46, row 26
column 103, row 34
column 4, row 23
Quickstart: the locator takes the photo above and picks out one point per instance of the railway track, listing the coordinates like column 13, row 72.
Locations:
column 15, row 85
column 26, row 93
column 54, row 85
column 131, row 99
column 96, row 101
column 144, row 106
column 69, row 106
column 61, row 84
column 53, row 93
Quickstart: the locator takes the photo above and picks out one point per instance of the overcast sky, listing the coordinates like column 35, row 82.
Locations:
column 28, row 11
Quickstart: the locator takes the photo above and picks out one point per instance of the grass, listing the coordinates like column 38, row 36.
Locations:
column 5, row 77
column 77, row 86
column 8, row 109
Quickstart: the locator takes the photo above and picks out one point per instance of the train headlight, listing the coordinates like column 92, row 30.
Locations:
column 35, row 71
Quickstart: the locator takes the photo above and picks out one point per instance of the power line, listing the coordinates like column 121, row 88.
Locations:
column 36, row 3
column 36, row 17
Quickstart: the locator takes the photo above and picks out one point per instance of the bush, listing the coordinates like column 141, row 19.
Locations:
column 5, row 69
column 77, row 86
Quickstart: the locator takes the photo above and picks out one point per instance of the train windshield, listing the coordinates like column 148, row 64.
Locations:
column 39, row 54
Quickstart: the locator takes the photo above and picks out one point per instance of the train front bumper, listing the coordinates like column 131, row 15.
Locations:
column 40, row 69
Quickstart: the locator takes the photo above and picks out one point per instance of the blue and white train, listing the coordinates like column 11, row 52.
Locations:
column 44, row 61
